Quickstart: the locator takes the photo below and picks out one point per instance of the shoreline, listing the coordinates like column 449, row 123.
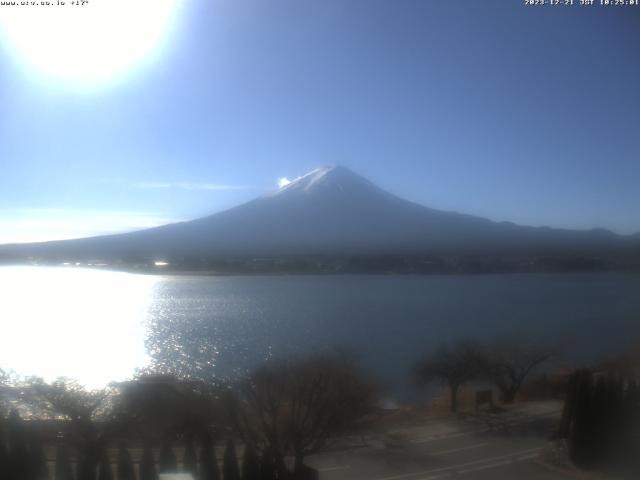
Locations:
column 177, row 272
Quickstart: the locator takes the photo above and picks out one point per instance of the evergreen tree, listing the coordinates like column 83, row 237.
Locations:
column 37, row 459
column 599, row 421
column 148, row 464
column 268, row 466
column 63, row 469
column 87, row 465
column 633, row 444
column 18, row 464
column 230, row 469
column 125, row 464
column 631, row 417
column 597, row 425
column 190, row 459
column 104, row 468
column 612, row 420
column 125, row 468
column 4, row 456
column 168, row 462
column 581, row 438
column 250, row 464
column 4, row 452
column 569, row 409
column 208, row 461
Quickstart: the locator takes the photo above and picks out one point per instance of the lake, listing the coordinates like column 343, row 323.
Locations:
column 99, row 326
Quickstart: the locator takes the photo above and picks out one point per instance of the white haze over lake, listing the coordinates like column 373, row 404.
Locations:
column 79, row 323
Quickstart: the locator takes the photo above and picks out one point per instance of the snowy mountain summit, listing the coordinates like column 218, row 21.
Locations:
column 327, row 179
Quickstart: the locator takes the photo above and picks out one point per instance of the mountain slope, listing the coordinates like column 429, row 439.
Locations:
column 331, row 210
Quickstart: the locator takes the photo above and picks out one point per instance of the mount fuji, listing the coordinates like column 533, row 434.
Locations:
column 330, row 211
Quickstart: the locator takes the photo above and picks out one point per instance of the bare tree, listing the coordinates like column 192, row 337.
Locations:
column 66, row 399
column 298, row 407
column 11, row 391
column 510, row 362
column 161, row 405
column 452, row 365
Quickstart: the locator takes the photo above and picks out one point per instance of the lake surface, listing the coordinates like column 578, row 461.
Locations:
column 99, row 325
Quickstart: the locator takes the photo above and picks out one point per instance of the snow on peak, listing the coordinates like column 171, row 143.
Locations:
column 331, row 176
column 314, row 177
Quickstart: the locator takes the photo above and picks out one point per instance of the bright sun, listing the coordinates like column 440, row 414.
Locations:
column 86, row 44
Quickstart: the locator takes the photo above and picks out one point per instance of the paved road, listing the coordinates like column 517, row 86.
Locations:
column 443, row 449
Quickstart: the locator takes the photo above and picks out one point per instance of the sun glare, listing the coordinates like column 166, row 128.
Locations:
column 87, row 44
column 75, row 328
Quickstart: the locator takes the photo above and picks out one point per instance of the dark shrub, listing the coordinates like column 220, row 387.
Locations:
column 148, row 465
column 63, row 469
column 208, row 461
column 168, row 462
column 230, row 469
column 125, row 464
column 104, row 468
column 190, row 460
column 250, row 464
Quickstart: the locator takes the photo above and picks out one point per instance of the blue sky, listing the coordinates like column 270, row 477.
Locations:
column 491, row 108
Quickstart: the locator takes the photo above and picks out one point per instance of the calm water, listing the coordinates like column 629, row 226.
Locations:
column 94, row 324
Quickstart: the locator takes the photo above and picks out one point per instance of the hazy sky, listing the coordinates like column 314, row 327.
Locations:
column 528, row 114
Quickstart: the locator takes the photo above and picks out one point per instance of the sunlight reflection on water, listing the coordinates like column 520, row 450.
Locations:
column 80, row 323
column 94, row 324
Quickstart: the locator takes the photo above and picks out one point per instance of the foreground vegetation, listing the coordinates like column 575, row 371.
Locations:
column 281, row 413
column 601, row 419
column 269, row 421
